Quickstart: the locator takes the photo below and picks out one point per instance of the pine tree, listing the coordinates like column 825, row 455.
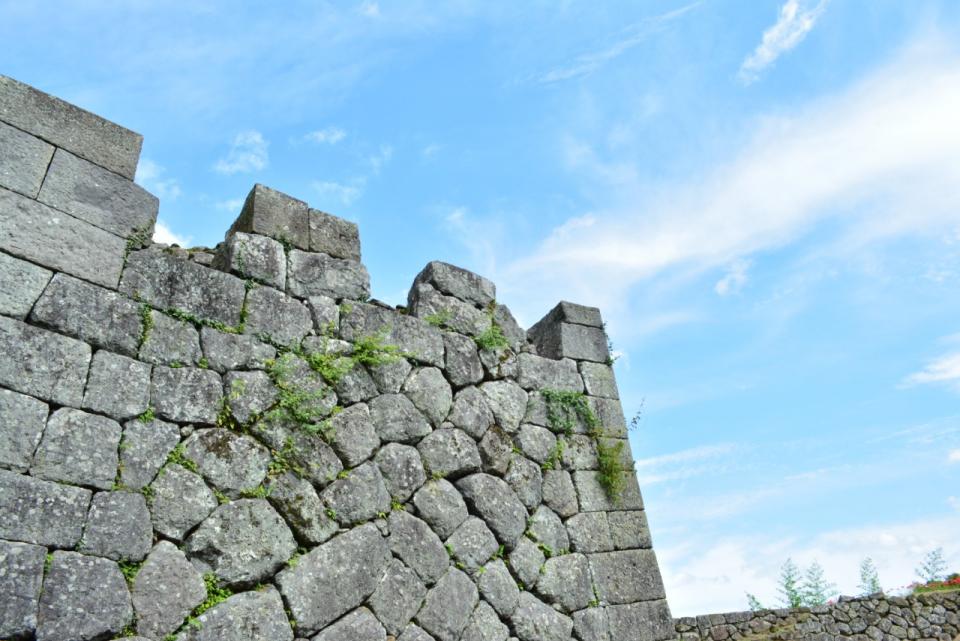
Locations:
column 933, row 567
column 816, row 589
column 790, row 588
column 869, row 579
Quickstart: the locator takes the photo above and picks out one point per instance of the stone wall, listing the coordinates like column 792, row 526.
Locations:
column 933, row 616
column 238, row 443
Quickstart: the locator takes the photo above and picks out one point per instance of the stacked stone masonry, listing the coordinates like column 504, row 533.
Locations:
column 933, row 616
column 238, row 443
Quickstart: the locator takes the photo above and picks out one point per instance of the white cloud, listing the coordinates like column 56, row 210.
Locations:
column 735, row 278
column 797, row 18
column 248, row 153
column 328, row 136
column 882, row 157
column 629, row 38
column 233, row 206
column 163, row 234
column 953, row 456
column 150, row 176
column 706, row 459
column 370, row 9
column 945, row 369
column 346, row 194
column 954, row 502
column 380, row 159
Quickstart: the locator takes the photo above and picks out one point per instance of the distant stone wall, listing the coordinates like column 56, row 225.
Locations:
column 933, row 616
column 238, row 444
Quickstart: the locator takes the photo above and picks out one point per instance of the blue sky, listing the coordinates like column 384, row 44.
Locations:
column 763, row 197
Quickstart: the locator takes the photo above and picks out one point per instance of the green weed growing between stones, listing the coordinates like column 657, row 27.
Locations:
column 492, row 338
column 146, row 324
column 216, row 594
column 148, row 415
column 130, row 570
column 179, row 457
column 440, row 319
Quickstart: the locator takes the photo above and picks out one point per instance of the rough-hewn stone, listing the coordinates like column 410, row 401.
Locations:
column 536, row 442
column 626, row 577
column 253, row 256
column 546, row 528
column 440, row 504
column 180, row 501
column 84, row 598
column 248, row 616
column 447, row 311
column 526, row 480
column 35, row 511
column 417, row 546
column 398, row 597
column 591, row 625
column 21, row 284
column 565, row 580
column 568, row 340
column 273, row 314
column 463, row 365
column 334, row 578
column 118, row 386
column 100, row 197
column 494, row 501
column 41, row 363
column 167, row 588
column 594, row 497
column 21, row 570
column 78, row 448
column 353, row 436
column 484, row 625
column 499, row 588
column 359, row 497
column 170, row 341
column 23, row 162
column 590, row 532
column 248, row 394
column 458, row 282
column 472, row 544
column 448, row 606
column 507, row 401
column 334, row 236
column 397, row 419
column 535, row 621
column 118, row 526
column 271, row 213
column 559, row 493
column 430, row 393
column 471, row 413
column 526, row 559
column 496, row 450
column 449, row 453
column 230, row 462
column 304, row 452
column 537, row 372
column 301, row 507
column 144, row 447
column 359, row 625
column 225, row 351
column 598, row 380
column 412, row 335
column 647, row 620
column 311, row 274
column 629, row 530
column 22, row 419
column 402, row 470
column 186, row 394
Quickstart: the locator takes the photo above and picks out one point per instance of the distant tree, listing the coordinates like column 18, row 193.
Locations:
column 933, row 567
column 816, row 590
column 754, row 603
column 791, row 594
column 869, row 579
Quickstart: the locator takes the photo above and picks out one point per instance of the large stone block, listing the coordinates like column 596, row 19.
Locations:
column 537, row 372
column 93, row 314
column 187, row 395
column 168, row 282
column 22, row 419
column 463, row 366
column 118, row 386
column 448, row 606
column 396, row 419
column 334, row 236
column 118, row 526
column 248, row 616
column 413, row 336
column 447, row 311
column 21, row 569
column 230, row 462
column 449, row 452
column 358, row 497
column 485, row 625
column 440, row 504
column 626, row 577
column 269, row 212
column 494, row 501
column 41, row 512
column 472, row 545
column 398, row 597
column 412, row 541
column 430, row 393
column 599, row 380
column 21, row 284
column 225, row 351
column 84, row 598
column 402, row 470
column 166, row 590
column 253, row 256
column 78, row 448
column 310, row 274
column 594, row 497
column 23, row 161
column 568, row 340
column 646, row 621
column 45, row 236
column 298, row 502
column 180, row 501
column 100, row 197
column 534, row 620
column 144, row 448
column 170, row 342
column 359, row 625
column 334, row 578
column 72, row 128
column 565, row 580
column 565, row 312
column 280, row 318
column 457, row 282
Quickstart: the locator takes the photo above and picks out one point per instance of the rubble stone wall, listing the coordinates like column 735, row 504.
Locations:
column 933, row 616
column 239, row 443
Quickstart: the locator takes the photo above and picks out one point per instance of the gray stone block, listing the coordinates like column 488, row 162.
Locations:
column 23, row 161
column 180, row 501
column 398, row 597
column 537, row 372
column 389, row 377
column 591, row 625
column 118, row 386
column 45, row 236
column 64, row 125
column 78, row 448
column 535, row 621
column 610, row 413
column 100, row 197
column 559, row 493
column 170, row 342
column 355, row 386
column 168, row 282
column 449, row 452
column 471, row 413
column 397, row 420
column 269, row 212
column 568, row 340
column 646, row 621
column 228, row 461
column 326, row 314
column 298, row 502
column 430, row 393
column 499, row 588
column 546, row 528
column 186, row 394
column 536, row 442
column 359, row 625
column 458, row 282
column 626, row 577
column 248, row 394
column 144, row 448
column 440, row 504
column 472, row 545
column 590, row 532
column 41, row 363
column 507, row 401
column 222, row 544
column 484, row 625
column 166, row 590
column 415, row 633
column 22, row 419
column 334, row 578
column 93, row 314
column 496, row 451
column 447, row 311
column 629, row 530
column 225, row 351
column 21, row 566
column 253, row 256
column 248, row 616
column 354, row 437
column 494, row 501
column 306, row 453
column 402, row 470
column 283, row 319
column 595, row 498
column 334, row 236
column 511, row 329
column 84, row 598
column 412, row 335
column 526, row 480
column 118, row 526
column 21, row 284
column 448, row 606
column 580, row 453
column 58, row 522
column 359, row 497
column 565, row 580
column 565, row 312
column 599, row 380
column 310, row 274
column 526, row 559
column 463, row 365
column 414, row 543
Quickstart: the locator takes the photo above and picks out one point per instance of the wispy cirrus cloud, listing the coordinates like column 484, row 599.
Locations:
column 637, row 33
column 735, row 278
column 797, row 18
column 326, row 136
column 248, row 153
column 695, row 461
column 945, row 370
column 347, row 194
column 151, row 177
